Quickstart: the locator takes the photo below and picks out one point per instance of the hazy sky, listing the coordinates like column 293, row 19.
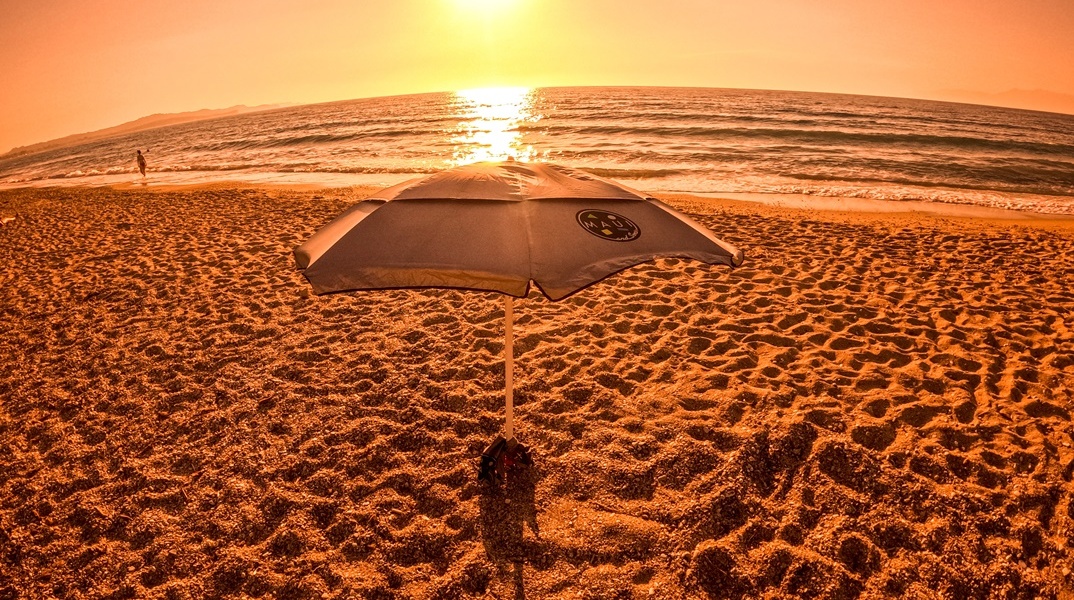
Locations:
column 70, row 66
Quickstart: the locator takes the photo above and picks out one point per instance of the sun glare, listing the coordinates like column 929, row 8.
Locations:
column 483, row 5
column 489, row 120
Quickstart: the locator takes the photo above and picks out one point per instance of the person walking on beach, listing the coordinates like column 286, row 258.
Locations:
column 141, row 163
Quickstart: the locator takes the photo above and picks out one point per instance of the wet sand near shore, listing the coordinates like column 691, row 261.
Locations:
column 873, row 406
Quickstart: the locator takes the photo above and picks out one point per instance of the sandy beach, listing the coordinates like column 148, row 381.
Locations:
column 875, row 405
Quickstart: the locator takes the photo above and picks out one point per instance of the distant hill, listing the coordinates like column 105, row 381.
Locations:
column 142, row 124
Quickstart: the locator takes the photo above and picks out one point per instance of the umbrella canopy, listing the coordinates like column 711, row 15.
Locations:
column 498, row 226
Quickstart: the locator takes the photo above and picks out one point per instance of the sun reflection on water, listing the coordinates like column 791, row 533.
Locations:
column 488, row 128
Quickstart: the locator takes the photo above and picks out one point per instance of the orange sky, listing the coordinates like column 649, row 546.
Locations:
column 70, row 66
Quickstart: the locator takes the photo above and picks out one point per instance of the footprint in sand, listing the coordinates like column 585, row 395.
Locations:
column 844, row 343
column 920, row 415
column 965, row 411
column 877, row 408
column 791, row 320
column 875, row 437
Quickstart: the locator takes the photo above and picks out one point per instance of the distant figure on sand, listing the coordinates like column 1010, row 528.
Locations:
column 141, row 163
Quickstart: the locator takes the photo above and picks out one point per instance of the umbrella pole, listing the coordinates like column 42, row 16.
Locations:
column 505, row 454
column 509, row 364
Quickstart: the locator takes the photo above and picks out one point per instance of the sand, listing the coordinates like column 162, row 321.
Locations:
column 874, row 406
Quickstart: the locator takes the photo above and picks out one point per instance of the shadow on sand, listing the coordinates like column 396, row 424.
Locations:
column 506, row 511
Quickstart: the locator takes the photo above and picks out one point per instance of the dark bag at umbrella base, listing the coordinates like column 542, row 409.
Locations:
column 502, row 457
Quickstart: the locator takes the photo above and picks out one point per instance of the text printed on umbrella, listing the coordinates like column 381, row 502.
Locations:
column 608, row 225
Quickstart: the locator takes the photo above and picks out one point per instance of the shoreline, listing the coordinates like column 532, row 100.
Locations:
column 801, row 204
column 874, row 405
column 871, row 205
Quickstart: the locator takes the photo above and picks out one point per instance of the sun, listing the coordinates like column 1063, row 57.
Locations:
column 484, row 6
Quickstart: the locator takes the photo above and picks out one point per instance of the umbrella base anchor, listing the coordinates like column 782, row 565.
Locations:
column 501, row 458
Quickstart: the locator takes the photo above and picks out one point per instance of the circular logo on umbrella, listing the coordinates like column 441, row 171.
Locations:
column 608, row 225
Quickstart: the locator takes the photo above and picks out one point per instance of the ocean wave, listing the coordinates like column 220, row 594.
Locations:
column 634, row 173
column 94, row 172
column 354, row 169
column 1041, row 203
column 786, row 119
column 365, row 121
column 181, row 168
column 311, row 140
column 999, row 186
column 820, row 137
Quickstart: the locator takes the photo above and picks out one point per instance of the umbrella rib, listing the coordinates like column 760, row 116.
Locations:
column 526, row 210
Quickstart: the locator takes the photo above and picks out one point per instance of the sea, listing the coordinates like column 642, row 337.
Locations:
column 705, row 141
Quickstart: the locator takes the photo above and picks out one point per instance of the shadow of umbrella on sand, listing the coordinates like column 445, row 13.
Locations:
column 498, row 226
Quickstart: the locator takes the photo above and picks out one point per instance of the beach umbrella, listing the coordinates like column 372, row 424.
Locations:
column 500, row 226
